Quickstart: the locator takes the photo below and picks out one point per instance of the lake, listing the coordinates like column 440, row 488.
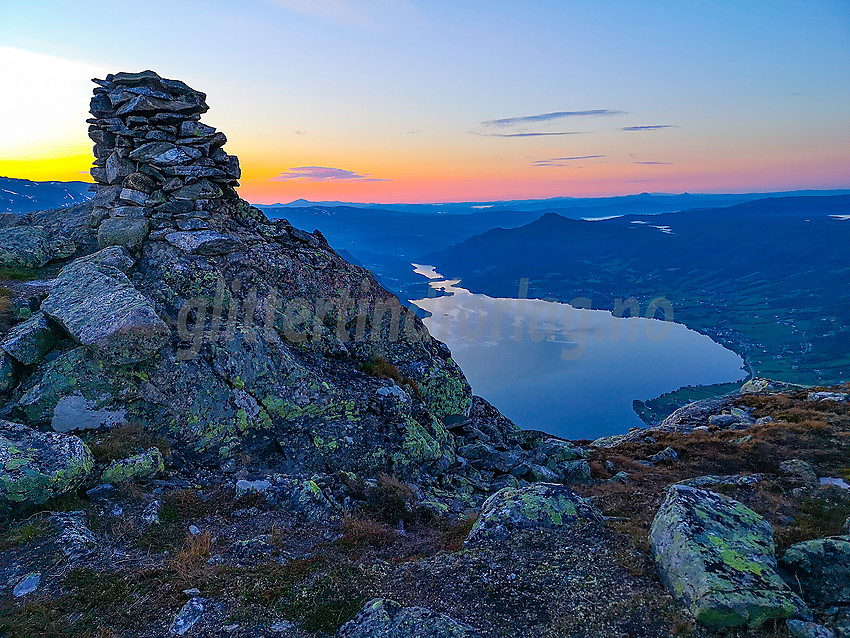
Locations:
column 570, row 371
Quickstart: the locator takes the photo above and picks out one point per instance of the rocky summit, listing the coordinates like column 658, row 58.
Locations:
column 211, row 424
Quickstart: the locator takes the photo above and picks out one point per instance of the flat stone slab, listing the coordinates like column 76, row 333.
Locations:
column 204, row 242
column 100, row 308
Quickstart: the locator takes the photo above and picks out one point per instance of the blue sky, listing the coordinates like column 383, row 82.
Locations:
column 417, row 101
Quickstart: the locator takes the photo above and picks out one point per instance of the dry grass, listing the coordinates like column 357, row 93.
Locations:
column 195, row 551
column 361, row 531
column 124, row 441
column 816, row 432
column 380, row 367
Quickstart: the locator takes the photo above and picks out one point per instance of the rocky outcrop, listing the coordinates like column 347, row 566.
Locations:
column 538, row 506
column 381, row 618
column 37, row 466
column 717, row 557
column 821, row 569
column 197, row 317
column 32, row 247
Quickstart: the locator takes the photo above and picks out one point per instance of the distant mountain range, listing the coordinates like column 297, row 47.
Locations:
column 25, row 196
column 386, row 238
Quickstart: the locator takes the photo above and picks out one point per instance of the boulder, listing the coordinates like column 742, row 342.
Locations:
column 821, row 568
column 37, row 466
column 542, row 505
column 32, row 247
column 800, row 470
column 716, row 556
column 29, row 341
column 381, row 618
column 143, row 465
column 100, row 308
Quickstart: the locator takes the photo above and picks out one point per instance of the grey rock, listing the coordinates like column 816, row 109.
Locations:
column 821, row 567
column 800, row 470
column 723, row 420
column 205, row 242
column 36, row 466
column 29, row 341
column 100, row 308
column 76, row 541
column 204, row 189
column 760, row 385
column 143, row 465
column 245, row 487
column 130, row 232
column 381, row 618
column 188, row 616
column 117, row 168
column 716, row 556
column 839, row 397
column 133, row 196
column 804, row 629
column 150, row 514
column 542, row 505
column 192, row 224
column 667, row 454
column 27, row 585
column 32, row 247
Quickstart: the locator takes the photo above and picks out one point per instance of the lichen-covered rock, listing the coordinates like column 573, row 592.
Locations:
column 32, row 247
column 382, row 618
column 717, row 557
column 821, row 568
column 29, row 341
column 143, row 465
column 36, row 466
column 100, row 308
column 540, row 505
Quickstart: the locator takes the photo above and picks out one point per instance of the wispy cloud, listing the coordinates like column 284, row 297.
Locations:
column 527, row 134
column 323, row 174
column 654, row 163
column 563, row 161
column 651, row 127
column 547, row 117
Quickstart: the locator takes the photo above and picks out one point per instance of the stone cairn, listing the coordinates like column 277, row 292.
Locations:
column 157, row 166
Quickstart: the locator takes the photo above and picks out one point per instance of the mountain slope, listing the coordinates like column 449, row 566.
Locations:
column 24, row 196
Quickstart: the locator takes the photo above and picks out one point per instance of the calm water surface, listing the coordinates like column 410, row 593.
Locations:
column 570, row 371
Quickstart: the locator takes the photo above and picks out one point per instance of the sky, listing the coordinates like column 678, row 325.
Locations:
column 447, row 100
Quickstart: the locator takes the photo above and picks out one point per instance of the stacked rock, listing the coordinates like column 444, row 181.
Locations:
column 155, row 161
